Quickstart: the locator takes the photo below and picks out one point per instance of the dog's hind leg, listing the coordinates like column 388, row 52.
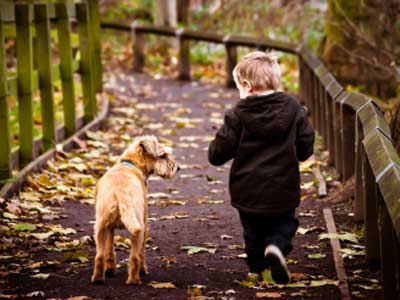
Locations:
column 134, row 258
column 100, row 238
column 132, row 224
column 110, row 254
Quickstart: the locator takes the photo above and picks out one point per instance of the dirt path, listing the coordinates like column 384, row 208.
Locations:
column 40, row 259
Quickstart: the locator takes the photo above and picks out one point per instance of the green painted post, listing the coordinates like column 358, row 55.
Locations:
column 5, row 149
column 24, row 73
column 95, row 31
column 44, row 62
column 86, row 65
column 66, row 69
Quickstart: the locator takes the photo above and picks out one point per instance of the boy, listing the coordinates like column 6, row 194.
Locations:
column 266, row 134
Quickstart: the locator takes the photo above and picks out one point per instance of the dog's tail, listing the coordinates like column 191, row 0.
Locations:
column 128, row 216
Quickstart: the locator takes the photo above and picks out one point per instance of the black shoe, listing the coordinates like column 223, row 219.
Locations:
column 277, row 264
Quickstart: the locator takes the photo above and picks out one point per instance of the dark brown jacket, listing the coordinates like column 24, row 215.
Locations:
column 266, row 136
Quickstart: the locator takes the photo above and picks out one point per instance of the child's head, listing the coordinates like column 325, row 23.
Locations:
column 256, row 73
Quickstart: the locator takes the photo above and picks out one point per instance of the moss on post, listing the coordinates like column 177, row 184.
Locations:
column 24, row 72
column 5, row 149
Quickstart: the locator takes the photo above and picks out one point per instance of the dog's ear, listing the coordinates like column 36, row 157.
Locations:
column 152, row 147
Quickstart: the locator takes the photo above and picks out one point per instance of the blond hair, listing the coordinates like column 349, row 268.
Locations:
column 260, row 69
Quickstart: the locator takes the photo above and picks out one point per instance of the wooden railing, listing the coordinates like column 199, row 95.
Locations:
column 353, row 130
column 359, row 142
column 29, row 25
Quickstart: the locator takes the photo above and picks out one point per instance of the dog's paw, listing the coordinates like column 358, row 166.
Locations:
column 97, row 280
column 143, row 271
column 133, row 281
column 110, row 272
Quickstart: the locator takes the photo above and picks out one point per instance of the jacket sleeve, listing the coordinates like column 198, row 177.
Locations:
column 304, row 136
column 226, row 141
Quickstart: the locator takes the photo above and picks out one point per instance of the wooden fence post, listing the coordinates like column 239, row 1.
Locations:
column 183, row 56
column 330, row 130
column 44, row 62
column 315, row 92
column 66, row 68
column 138, row 49
column 388, row 255
column 322, row 112
column 308, row 92
column 348, row 128
column 5, row 149
column 24, row 73
column 359, row 205
column 262, row 48
column 301, row 68
column 337, row 129
column 86, row 62
column 95, row 31
column 231, row 61
column 371, row 211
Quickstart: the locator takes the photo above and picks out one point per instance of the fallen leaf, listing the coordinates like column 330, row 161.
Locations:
column 41, row 276
column 271, row 295
column 9, row 296
column 226, row 237
column 158, row 195
column 299, row 276
column 34, row 265
column 76, row 256
column 349, row 253
column 347, row 236
column 303, row 231
column 316, row 256
column 165, row 203
column 8, row 215
column 24, row 227
column 207, row 201
column 373, row 286
column 35, row 294
column 196, row 249
column 196, row 291
column 161, row 285
column 312, row 283
column 178, row 215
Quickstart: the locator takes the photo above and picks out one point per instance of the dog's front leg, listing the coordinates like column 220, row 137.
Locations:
column 143, row 265
column 134, row 258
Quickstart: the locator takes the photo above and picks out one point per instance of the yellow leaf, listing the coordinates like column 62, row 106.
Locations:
column 273, row 295
column 162, row 285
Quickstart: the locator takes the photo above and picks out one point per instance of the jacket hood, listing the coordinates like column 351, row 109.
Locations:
column 269, row 115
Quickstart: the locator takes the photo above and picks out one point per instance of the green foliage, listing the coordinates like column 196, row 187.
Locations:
column 201, row 54
column 128, row 10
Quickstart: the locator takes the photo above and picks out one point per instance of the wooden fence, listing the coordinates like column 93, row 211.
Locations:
column 30, row 26
column 353, row 130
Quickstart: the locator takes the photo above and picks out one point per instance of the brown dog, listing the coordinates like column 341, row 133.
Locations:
column 121, row 202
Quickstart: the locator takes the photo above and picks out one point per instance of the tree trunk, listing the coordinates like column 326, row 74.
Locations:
column 359, row 44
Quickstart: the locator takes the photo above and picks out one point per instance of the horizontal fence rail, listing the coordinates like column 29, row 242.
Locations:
column 352, row 126
column 184, row 36
column 30, row 26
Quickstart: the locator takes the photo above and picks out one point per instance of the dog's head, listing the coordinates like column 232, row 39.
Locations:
column 151, row 157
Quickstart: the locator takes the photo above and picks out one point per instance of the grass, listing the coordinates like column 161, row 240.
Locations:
column 37, row 115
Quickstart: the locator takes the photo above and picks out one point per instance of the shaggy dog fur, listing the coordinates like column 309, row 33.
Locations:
column 121, row 202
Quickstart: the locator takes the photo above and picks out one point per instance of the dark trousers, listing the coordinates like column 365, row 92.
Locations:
column 261, row 231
